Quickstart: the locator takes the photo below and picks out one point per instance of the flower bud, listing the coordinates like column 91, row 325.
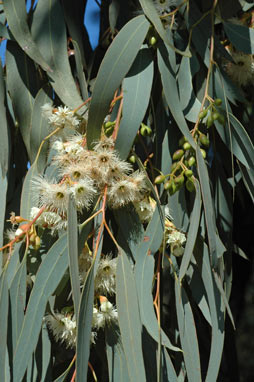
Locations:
column 203, row 152
column 153, row 41
column 132, row 159
column 209, row 121
column 186, row 146
column 179, row 180
column 182, row 141
column 188, row 173
column 190, row 185
column 191, row 161
column 203, row 114
column 170, row 187
column 37, row 243
column 204, row 140
column 216, row 115
column 178, row 154
column 145, row 130
column 159, row 179
column 221, row 119
column 218, row 102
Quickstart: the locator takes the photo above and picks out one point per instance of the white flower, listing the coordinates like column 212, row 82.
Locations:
column 176, row 240
column 53, row 196
column 163, row 6
column 105, row 282
column 47, row 110
column 106, row 315
column 63, row 328
column 83, row 192
column 122, row 192
column 63, row 117
column 241, row 70
column 145, row 209
column 104, row 144
column 58, row 145
column 48, row 219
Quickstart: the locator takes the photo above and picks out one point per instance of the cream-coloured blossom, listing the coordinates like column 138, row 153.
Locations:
column 63, row 328
column 123, row 192
column 83, row 192
column 52, row 195
column 175, row 239
column 105, row 315
column 105, row 282
column 241, row 71
column 145, row 209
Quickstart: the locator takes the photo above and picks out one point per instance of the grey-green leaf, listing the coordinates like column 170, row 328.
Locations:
column 129, row 319
column 115, row 65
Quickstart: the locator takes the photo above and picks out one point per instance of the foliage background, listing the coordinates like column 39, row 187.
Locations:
column 163, row 73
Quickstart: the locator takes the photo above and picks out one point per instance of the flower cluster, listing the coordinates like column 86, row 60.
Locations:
column 83, row 174
column 174, row 238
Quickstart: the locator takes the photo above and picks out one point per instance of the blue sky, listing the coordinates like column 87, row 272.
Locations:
column 91, row 22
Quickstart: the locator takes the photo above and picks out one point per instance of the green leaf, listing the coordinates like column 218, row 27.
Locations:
column 208, row 206
column 117, row 364
column 80, row 71
column 241, row 37
column 167, row 68
column 130, row 230
column 144, row 275
column 50, row 273
column 115, row 65
column 4, row 32
column 49, row 33
column 28, row 197
column 216, row 309
column 188, row 334
column 192, row 233
column 4, row 142
column 23, row 83
column 16, row 15
column 72, row 234
column 84, row 326
column 129, row 319
column 242, row 147
column 167, row 367
column 150, row 11
column 3, row 325
column 39, row 127
column 13, row 264
column 136, row 89
column 191, row 106
column 248, row 178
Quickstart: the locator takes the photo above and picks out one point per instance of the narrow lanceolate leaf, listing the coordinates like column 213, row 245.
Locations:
column 117, row 365
column 39, row 127
column 144, row 275
column 48, row 277
column 72, row 233
column 49, row 32
column 129, row 319
column 190, row 104
column 136, row 89
column 217, row 310
column 23, row 83
column 237, row 141
column 80, row 71
column 150, row 11
column 208, row 206
column 168, row 371
column 3, row 325
column 115, row 65
column 4, row 144
column 16, row 15
column 192, row 233
column 241, row 37
column 167, row 68
column 28, row 197
column 188, row 334
column 84, row 326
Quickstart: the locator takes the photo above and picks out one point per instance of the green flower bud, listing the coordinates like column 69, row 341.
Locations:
column 132, row 159
column 188, row 173
column 170, row 187
column 159, row 179
column 109, row 124
column 191, row 161
column 186, row 146
column 203, row 114
column 209, row 121
column 153, row 41
column 182, row 141
column 145, row 130
column 218, row 102
column 203, row 152
column 221, row 119
column 204, row 140
column 178, row 154
column 179, row 180
column 190, row 185
column 37, row 243
column 216, row 116
column 174, row 165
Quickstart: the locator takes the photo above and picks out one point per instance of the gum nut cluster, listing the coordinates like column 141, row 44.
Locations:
column 83, row 175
